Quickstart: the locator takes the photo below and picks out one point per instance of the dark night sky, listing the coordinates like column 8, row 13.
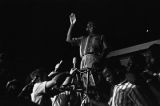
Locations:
column 34, row 31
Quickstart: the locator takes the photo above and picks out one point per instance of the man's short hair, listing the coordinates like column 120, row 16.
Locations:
column 39, row 72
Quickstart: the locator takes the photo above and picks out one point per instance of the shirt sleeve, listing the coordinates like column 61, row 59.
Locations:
column 38, row 90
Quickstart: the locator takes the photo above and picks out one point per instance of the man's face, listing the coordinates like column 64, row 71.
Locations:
column 90, row 27
column 108, row 76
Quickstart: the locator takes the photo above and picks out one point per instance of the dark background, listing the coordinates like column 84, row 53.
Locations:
column 33, row 32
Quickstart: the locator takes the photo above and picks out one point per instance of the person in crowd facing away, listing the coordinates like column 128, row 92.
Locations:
column 44, row 89
column 133, row 91
column 13, row 87
column 32, row 79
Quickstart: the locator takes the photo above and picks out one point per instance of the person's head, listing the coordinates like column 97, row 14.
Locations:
column 107, row 74
column 90, row 27
column 136, row 67
column 110, row 75
column 115, row 72
column 137, row 63
column 39, row 74
column 13, row 87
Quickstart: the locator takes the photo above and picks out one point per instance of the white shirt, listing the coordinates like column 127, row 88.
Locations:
column 38, row 94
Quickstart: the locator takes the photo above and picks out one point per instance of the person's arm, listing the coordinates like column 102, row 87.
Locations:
column 69, row 78
column 50, row 83
column 72, row 22
column 70, row 39
column 57, row 80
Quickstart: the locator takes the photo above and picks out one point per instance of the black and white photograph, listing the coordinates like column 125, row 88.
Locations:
column 80, row 53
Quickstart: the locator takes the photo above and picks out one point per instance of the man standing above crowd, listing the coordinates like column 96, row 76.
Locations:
column 93, row 49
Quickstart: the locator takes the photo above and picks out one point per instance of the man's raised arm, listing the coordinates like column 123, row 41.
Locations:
column 72, row 22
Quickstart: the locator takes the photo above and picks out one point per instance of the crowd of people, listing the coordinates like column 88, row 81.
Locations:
column 97, row 82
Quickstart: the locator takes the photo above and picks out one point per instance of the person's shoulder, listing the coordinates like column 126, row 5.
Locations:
column 39, row 84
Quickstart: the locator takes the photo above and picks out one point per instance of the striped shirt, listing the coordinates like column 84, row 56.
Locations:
column 60, row 99
column 128, row 94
